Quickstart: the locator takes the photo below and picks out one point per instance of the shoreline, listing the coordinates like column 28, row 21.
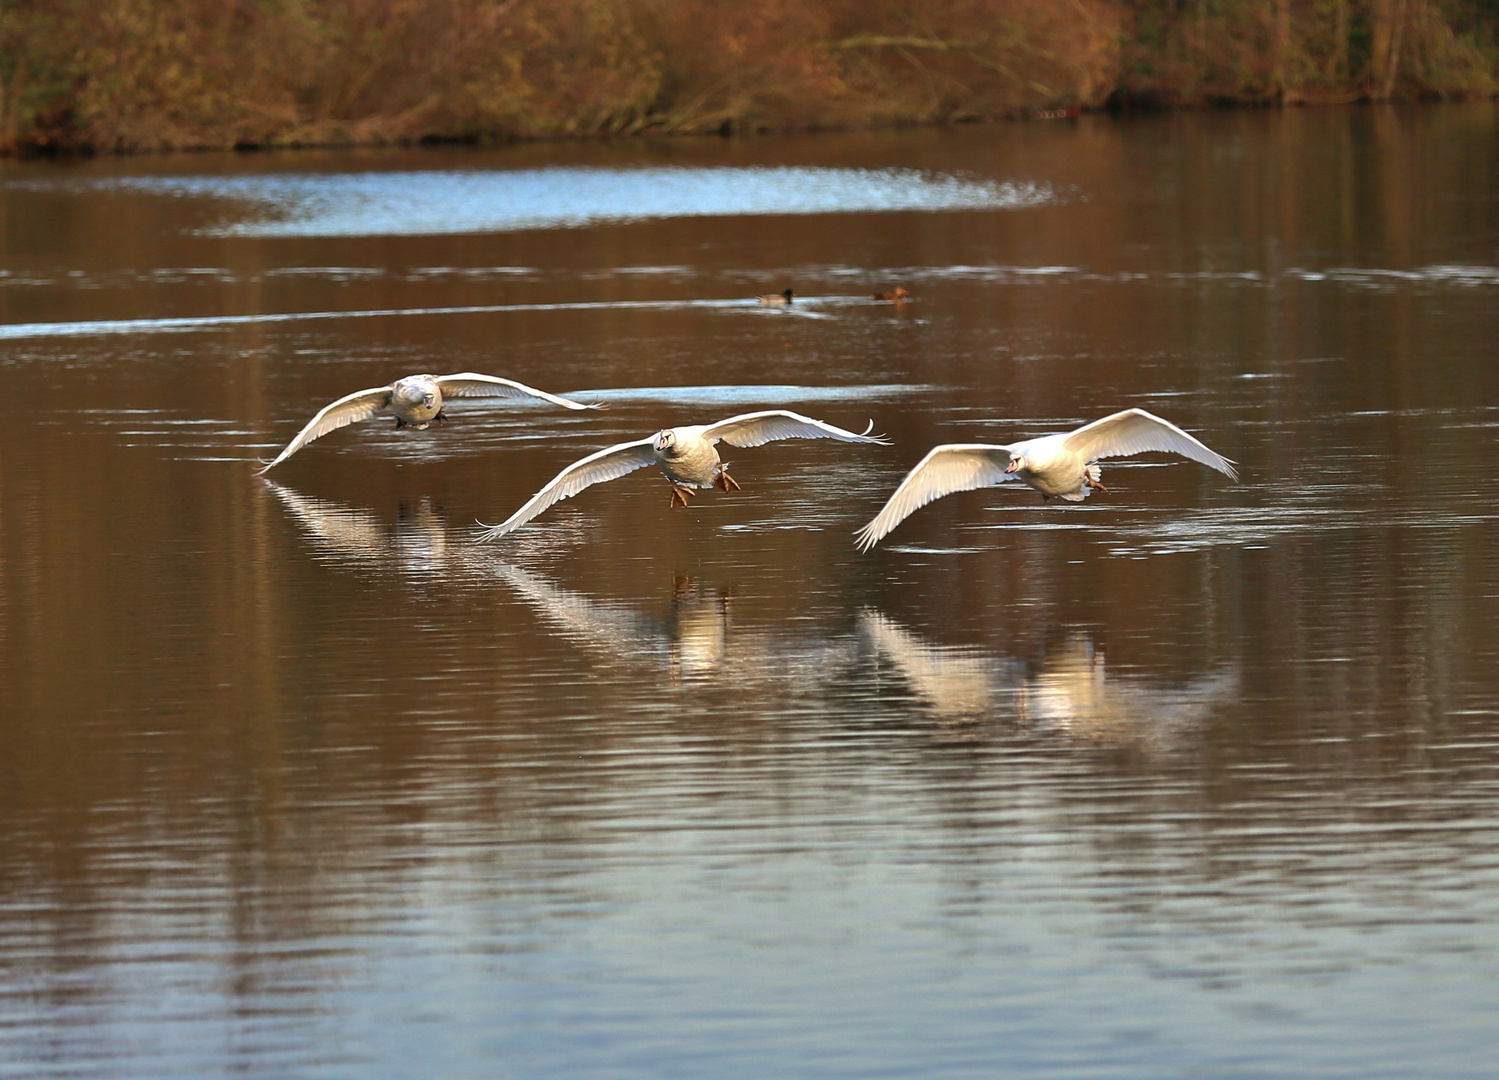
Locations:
column 491, row 140
column 167, row 75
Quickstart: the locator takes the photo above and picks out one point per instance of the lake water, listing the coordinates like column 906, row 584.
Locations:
column 1192, row 779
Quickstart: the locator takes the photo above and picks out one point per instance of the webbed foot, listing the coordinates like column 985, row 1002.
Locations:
column 680, row 496
column 724, row 482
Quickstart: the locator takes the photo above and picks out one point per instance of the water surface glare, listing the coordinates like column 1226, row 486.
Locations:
column 1192, row 779
column 418, row 203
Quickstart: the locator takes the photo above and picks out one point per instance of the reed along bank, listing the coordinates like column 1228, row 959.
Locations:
column 134, row 75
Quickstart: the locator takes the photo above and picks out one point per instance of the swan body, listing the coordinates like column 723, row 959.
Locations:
column 416, row 401
column 687, row 456
column 1059, row 466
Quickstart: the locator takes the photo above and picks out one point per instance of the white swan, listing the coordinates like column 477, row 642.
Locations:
column 416, row 401
column 1058, row 466
column 686, row 456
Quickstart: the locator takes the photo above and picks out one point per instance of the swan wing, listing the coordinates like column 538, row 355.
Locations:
column 469, row 384
column 759, row 428
column 1134, row 431
column 608, row 464
column 350, row 409
column 947, row 468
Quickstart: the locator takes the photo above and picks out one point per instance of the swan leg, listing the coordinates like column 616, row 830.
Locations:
column 724, row 482
column 400, row 423
column 440, row 418
column 1094, row 484
column 680, row 496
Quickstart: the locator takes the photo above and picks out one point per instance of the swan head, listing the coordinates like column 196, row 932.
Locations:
column 416, row 395
column 666, row 441
column 1017, row 462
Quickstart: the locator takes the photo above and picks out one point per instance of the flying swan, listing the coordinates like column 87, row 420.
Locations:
column 1058, row 466
column 686, row 456
column 416, row 401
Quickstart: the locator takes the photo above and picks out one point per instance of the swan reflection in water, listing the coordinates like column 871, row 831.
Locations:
column 1069, row 692
column 695, row 640
column 417, row 546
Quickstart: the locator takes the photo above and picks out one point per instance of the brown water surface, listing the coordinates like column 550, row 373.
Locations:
column 296, row 779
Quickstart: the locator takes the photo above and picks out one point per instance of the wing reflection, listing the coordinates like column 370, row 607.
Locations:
column 417, row 546
column 1069, row 692
column 615, row 632
column 1073, row 693
column 959, row 683
column 696, row 641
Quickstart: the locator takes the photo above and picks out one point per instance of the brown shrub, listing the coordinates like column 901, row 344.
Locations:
column 1280, row 51
column 149, row 74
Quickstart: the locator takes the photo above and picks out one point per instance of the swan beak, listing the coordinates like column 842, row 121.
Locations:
column 1012, row 466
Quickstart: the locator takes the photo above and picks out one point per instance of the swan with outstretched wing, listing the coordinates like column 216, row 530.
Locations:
column 687, row 456
column 416, row 401
column 1060, row 466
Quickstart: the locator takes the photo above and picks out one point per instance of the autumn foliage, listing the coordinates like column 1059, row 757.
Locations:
column 1294, row 51
column 157, row 74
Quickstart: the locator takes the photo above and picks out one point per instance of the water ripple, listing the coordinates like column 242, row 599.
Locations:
column 805, row 308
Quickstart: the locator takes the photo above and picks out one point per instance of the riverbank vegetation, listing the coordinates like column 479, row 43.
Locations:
column 128, row 75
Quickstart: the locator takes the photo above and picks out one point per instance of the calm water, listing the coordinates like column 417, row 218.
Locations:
column 1193, row 779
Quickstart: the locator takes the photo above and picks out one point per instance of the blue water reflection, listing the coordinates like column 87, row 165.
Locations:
column 420, row 203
